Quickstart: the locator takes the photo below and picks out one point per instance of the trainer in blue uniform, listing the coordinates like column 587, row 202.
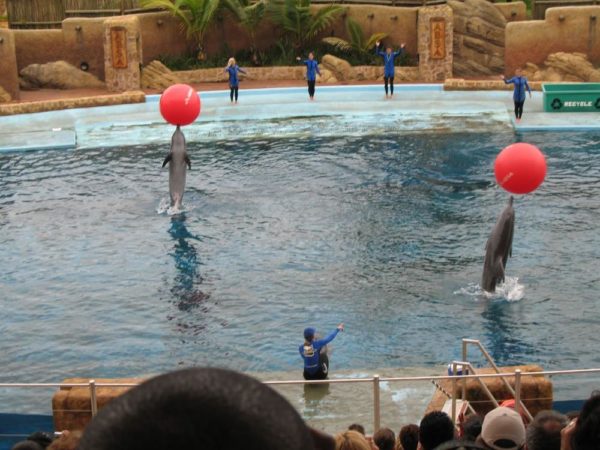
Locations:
column 233, row 69
column 314, row 353
column 388, row 65
column 521, row 84
column 312, row 69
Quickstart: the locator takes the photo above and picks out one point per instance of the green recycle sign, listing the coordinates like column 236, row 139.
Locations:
column 557, row 104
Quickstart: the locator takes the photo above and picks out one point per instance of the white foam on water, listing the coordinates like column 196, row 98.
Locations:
column 164, row 207
column 511, row 291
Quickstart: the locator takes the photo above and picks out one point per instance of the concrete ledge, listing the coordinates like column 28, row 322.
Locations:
column 459, row 84
column 70, row 103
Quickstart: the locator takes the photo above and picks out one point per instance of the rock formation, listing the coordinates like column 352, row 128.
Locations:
column 158, row 76
column 563, row 67
column 59, row 75
column 478, row 38
column 340, row 68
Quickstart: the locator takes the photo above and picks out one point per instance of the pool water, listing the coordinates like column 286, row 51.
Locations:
column 385, row 233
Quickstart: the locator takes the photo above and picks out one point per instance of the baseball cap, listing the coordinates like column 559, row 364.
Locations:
column 309, row 332
column 503, row 429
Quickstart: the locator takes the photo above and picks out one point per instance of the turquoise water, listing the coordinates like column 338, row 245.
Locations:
column 383, row 232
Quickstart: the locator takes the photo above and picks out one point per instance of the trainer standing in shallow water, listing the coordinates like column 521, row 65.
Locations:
column 521, row 84
column 233, row 69
column 388, row 65
column 312, row 69
column 314, row 353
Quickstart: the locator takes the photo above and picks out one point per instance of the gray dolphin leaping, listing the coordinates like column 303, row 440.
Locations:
column 498, row 248
column 177, row 160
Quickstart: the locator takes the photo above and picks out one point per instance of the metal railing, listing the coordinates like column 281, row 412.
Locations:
column 518, row 404
column 374, row 380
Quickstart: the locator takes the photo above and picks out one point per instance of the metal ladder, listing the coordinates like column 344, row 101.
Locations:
column 516, row 393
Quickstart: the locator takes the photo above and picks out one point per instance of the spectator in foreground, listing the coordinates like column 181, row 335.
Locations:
column 409, row 437
column 68, row 440
column 201, row 408
column 584, row 432
column 544, row 432
column 27, row 445
column 471, row 428
column 352, row 440
column 385, row 439
column 502, row 429
column 357, row 427
column 435, row 429
column 35, row 441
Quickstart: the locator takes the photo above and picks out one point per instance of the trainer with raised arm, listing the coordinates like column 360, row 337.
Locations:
column 388, row 65
column 314, row 353
column 521, row 85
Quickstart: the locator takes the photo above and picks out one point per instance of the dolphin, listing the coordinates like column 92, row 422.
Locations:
column 498, row 248
column 177, row 160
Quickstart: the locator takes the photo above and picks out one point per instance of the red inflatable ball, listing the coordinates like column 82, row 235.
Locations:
column 180, row 104
column 520, row 168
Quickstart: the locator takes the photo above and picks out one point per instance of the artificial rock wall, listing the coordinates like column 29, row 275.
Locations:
column 479, row 30
column 569, row 29
column 9, row 80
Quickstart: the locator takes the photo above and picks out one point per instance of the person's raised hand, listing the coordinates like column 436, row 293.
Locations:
column 372, row 444
column 566, row 434
column 298, row 58
column 403, row 45
column 340, row 327
column 377, row 43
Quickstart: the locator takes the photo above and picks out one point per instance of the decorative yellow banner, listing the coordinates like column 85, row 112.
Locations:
column 118, row 41
column 437, row 49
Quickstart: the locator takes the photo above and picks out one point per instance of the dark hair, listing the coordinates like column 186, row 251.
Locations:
column 357, row 427
column 385, row 439
column 435, row 429
column 472, row 427
column 409, row 436
column 459, row 445
column 198, row 408
column 27, row 445
column 587, row 430
column 544, row 432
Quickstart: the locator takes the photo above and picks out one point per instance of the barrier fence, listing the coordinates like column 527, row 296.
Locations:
column 375, row 381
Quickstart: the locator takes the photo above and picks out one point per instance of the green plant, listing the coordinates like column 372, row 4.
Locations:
column 357, row 42
column 196, row 15
column 300, row 25
column 249, row 14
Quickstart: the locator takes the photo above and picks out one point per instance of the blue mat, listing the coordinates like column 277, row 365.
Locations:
column 16, row 427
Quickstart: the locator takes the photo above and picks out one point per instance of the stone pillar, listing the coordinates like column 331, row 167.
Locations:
column 9, row 74
column 435, row 33
column 122, row 53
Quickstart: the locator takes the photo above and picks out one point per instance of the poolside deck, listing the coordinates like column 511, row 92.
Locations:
column 358, row 109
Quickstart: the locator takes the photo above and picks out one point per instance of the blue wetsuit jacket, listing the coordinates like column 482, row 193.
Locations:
column 388, row 61
column 520, row 86
column 312, row 69
column 310, row 353
column 233, row 75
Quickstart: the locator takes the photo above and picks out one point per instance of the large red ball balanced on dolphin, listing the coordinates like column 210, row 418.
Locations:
column 179, row 105
column 519, row 169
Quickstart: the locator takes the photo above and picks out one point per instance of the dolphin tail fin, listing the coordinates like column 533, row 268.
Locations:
column 167, row 159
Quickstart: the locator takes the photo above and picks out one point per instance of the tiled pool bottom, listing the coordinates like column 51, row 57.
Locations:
column 351, row 110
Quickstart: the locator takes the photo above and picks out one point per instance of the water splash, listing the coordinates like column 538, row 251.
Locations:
column 511, row 291
column 164, row 207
